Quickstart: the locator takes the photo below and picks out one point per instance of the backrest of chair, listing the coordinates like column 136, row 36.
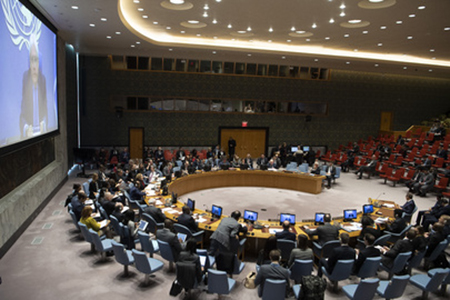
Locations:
column 285, row 247
column 217, row 282
column 274, row 289
column 366, row 289
column 329, row 246
column 438, row 250
column 141, row 261
column 119, row 253
column 301, row 268
column 415, row 261
column 146, row 244
column 85, row 232
column 152, row 225
column 437, row 279
column 74, row 219
column 103, row 213
column 382, row 240
column 443, row 182
column 396, row 287
column 115, row 225
column 165, row 251
column 182, row 229
column 338, row 172
column 86, row 187
column 369, row 267
column 342, row 270
column 400, row 262
column 96, row 240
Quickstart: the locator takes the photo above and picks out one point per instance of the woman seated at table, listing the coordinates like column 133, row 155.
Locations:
column 302, row 252
column 91, row 223
column 369, row 226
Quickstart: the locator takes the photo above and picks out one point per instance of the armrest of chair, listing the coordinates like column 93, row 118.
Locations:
column 198, row 233
column 393, row 233
column 242, row 242
column 317, row 249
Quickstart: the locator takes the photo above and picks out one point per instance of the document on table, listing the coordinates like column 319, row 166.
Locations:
column 159, row 203
column 170, row 211
column 201, row 220
column 389, row 205
column 381, row 220
column 273, row 230
column 354, row 226
column 103, row 223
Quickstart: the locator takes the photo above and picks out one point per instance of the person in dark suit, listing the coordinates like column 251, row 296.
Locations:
column 181, row 155
column 167, row 234
column 154, row 212
column 248, row 162
column 231, row 146
column 108, row 205
column 33, row 114
column 226, row 236
column 342, row 252
column 370, row 167
column 415, row 179
column 369, row 226
column 136, row 193
column 424, row 184
column 273, row 271
column 400, row 246
column 187, row 220
column 398, row 225
column 330, row 172
column 189, row 256
column 93, row 186
column 441, row 152
column 433, row 217
column 326, row 232
column 409, row 205
column 369, row 251
column 262, row 162
column 285, row 234
column 118, row 212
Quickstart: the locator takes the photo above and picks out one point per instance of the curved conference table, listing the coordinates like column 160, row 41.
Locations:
column 256, row 178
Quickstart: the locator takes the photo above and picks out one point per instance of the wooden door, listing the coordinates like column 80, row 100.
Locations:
column 386, row 120
column 248, row 140
column 136, row 141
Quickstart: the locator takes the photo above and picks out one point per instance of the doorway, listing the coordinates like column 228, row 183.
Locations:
column 136, row 142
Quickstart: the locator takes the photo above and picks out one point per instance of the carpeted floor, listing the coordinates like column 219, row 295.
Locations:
column 51, row 261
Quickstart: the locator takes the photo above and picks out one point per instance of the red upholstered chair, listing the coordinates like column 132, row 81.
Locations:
column 386, row 174
column 439, row 163
column 442, row 185
column 408, row 176
column 430, row 138
column 395, row 177
column 446, row 194
column 168, row 155
column 409, row 158
column 398, row 161
column 359, row 161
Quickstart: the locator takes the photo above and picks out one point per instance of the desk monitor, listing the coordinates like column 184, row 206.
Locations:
column 350, row 214
column 294, row 149
column 191, row 204
column 250, row 216
column 305, row 148
column 367, row 209
column 318, row 219
column 142, row 225
column 289, row 217
column 216, row 211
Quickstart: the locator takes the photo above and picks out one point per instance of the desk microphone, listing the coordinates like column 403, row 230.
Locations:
column 382, row 193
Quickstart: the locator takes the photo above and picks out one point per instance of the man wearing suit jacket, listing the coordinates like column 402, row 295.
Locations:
column 326, row 232
column 154, row 212
column 409, row 205
column 167, row 235
column 424, row 184
column 400, row 246
column 369, row 251
column 433, row 216
column 370, row 167
column 226, row 236
column 285, row 234
column 398, row 225
column 330, row 171
column 339, row 253
column 187, row 220
column 441, row 153
column 273, row 271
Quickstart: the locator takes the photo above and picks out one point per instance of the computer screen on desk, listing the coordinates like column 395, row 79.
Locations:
column 191, row 204
column 250, row 216
column 216, row 211
column 294, row 149
column 350, row 214
column 305, row 148
column 289, row 217
column 318, row 219
column 367, row 209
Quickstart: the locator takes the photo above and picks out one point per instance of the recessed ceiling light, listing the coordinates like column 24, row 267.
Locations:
column 92, row 25
column 365, row 32
column 205, row 14
column 140, row 9
column 214, row 52
column 218, row 0
column 118, row 32
column 170, row 49
column 198, row 34
column 421, row 7
column 206, row 7
column 270, row 41
column 409, row 37
column 383, row 27
column 136, row 1
column 356, row 50
column 249, row 54
column 215, row 37
column 433, row 58
column 138, row 43
column 155, row 23
column 145, row 16
column 132, row 46
column 447, row 28
column 177, row 1
column 327, row 38
column 399, row 22
column 168, row 27
column 432, row 50
column 376, row 65
column 346, row 35
column 316, row 60
column 242, row 31
column 308, row 40
column 182, row 31
column 292, row 28
column 108, row 36
column 376, row 1
column 270, row 29
column 412, row 16
column 300, row 32
column 288, row 41
column 404, row 68
column 74, row 7
column 342, row 6
column 214, row 21
column 342, row 14
column 347, row 63
column 229, row 26
column 430, row 70
column 355, row 21
column 233, row 39
column 314, row 25
column 380, row 44
column 331, row 21
column 283, row 57
column 104, row 19
column 249, row 28
column 193, row 21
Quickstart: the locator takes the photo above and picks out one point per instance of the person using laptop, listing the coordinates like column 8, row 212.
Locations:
column 187, row 220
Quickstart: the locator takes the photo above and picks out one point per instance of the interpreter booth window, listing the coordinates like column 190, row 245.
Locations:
column 155, row 104
column 193, row 66
column 260, row 107
column 249, row 107
column 156, row 63
column 203, row 105
column 143, row 63
column 132, row 103
column 240, row 68
column 228, row 67
column 251, row 69
column 273, row 70
column 192, row 105
column 180, row 104
column 284, row 71
column 167, row 104
column 304, row 73
column 205, row 66
column 118, row 62
column 142, row 103
column 293, row 72
column 282, row 107
column 169, row 64
column 131, row 62
column 262, row 70
column 216, row 105
column 271, row 107
column 228, row 105
column 217, row 67
column 181, row 65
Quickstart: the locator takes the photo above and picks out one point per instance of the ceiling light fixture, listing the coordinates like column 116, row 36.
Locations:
column 118, row 32
column 380, row 44
column 177, row 2
column 399, row 22
column 206, row 7
column 168, row 27
column 314, row 25
column 136, row 1
column 138, row 43
column 331, row 21
column 422, row 7
column 376, row 1
column 193, row 21
column 242, row 31
column 205, row 14
column 316, row 60
column 410, row 37
column 447, row 28
column 270, row 29
column 430, row 70
column 155, row 23
column 346, row 35
column 308, row 40
column 365, row 32
column 376, row 65
column 383, row 27
column 104, row 19
column 342, row 6
column 249, row 28
column 214, row 21
column 214, row 52
column 355, row 21
column 182, row 31
column 229, row 26
column 92, row 25
column 300, row 32
column 132, row 46
column 342, row 14
column 249, row 54
column 432, row 50
column 288, row 41
column 347, row 62
column 74, row 7
column 404, row 68
column 412, row 16
column 145, row 16
column 292, row 28
column 108, row 36
column 170, row 49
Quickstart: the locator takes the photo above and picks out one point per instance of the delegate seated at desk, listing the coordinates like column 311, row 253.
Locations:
column 285, row 234
column 326, row 232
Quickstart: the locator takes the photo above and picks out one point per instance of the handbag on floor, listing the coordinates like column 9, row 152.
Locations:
column 249, row 281
column 176, row 288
